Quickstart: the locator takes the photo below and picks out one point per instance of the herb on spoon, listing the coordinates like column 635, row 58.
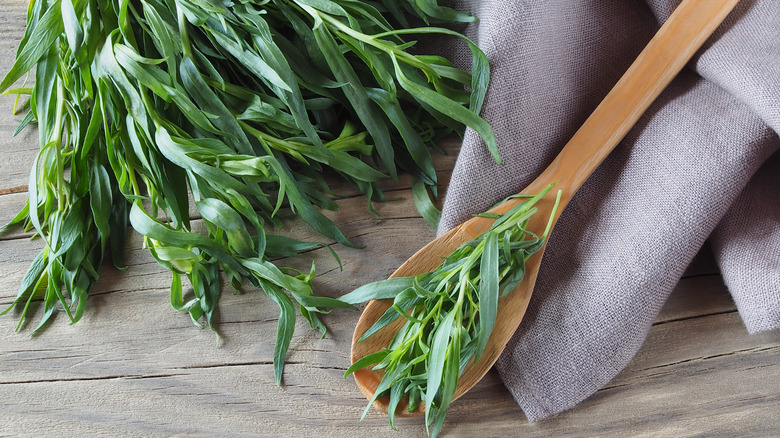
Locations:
column 449, row 312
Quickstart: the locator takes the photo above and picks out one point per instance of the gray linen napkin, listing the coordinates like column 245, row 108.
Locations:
column 681, row 175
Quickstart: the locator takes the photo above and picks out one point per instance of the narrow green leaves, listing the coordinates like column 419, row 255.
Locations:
column 364, row 108
column 436, row 364
column 380, row 290
column 442, row 13
column 424, row 204
column 36, row 43
column 488, row 290
column 238, row 112
column 224, row 217
column 442, row 105
column 450, row 313
column 101, row 201
column 285, row 328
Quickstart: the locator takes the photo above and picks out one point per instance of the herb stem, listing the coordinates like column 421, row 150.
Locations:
column 478, row 272
column 381, row 45
column 551, row 220
column 57, row 144
column 183, row 34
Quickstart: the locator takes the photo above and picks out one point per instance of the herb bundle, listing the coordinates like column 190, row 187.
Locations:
column 450, row 313
column 148, row 108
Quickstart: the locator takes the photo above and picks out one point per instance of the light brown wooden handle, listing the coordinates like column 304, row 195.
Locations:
column 671, row 48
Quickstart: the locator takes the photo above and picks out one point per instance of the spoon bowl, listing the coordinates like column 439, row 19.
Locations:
column 662, row 59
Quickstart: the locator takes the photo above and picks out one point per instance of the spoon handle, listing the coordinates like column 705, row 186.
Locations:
column 660, row 61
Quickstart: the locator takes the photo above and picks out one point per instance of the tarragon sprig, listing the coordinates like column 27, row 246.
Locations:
column 450, row 313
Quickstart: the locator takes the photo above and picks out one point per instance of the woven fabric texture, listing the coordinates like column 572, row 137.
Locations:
column 701, row 163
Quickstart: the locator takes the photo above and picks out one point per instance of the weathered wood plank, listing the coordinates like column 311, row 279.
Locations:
column 703, row 377
column 696, row 296
column 16, row 153
column 135, row 367
column 687, row 392
column 162, row 343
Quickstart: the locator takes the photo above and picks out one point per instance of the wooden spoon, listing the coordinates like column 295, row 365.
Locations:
column 670, row 49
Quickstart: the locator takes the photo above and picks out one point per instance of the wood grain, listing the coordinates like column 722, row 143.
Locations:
column 135, row 367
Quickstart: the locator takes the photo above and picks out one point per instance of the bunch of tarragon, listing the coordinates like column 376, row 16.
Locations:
column 157, row 113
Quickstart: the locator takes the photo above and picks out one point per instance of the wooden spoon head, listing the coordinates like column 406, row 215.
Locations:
column 511, row 307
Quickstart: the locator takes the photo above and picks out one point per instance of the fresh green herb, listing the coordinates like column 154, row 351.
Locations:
column 148, row 109
column 450, row 313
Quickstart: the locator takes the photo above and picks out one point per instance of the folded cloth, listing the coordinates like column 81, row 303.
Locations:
column 681, row 175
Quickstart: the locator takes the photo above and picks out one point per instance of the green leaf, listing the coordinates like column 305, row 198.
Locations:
column 303, row 207
column 396, row 392
column 365, row 361
column 412, row 138
column 71, row 229
column 267, row 272
column 36, row 44
column 451, row 373
column 72, row 27
column 313, row 302
column 118, row 225
column 293, row 97
column 326, row 6
column 424, row 204
column 226, row 218
column 146, row 225
column 404, row 301
column 252, row 61
column 33, row 276
column 210, row 103
column 100, row 201
column 488, row 291
column 365, row 109
column 379, row 290
column 179, row 151
column 442, row 13
column 438, row 358
column 385, row 383
column 444, row 106
column 285, row 328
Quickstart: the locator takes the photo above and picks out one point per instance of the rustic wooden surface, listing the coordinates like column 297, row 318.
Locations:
column 135, row 367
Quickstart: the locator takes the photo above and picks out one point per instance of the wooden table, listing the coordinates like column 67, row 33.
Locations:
column 135, row 367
